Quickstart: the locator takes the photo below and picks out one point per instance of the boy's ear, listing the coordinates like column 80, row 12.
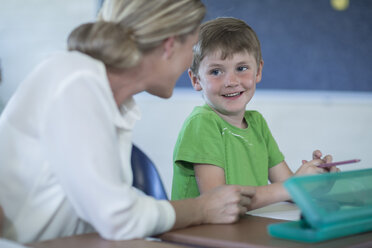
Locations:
column 194, row 81
column 168, row 47
column 259, row 72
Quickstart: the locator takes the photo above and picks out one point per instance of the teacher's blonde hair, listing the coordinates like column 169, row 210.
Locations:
column 128, row 29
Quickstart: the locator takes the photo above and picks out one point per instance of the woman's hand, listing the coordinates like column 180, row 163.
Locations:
column 221, row 205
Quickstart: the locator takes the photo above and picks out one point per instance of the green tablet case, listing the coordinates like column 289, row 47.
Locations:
column 333, row 205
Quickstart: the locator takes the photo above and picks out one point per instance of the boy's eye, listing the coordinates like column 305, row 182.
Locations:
column 242, row 68
column 215, row 72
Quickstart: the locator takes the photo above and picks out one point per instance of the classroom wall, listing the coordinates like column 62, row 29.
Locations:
column 337, row 122
column 32, row 29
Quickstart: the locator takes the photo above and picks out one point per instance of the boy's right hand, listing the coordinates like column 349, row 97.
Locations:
column 225, row 203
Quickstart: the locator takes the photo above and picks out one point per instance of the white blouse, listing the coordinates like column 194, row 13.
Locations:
column 65, row 158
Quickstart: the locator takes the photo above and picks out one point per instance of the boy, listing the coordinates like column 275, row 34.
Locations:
column 221, row 142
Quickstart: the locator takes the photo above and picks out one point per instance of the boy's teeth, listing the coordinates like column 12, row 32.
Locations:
column 233, row 94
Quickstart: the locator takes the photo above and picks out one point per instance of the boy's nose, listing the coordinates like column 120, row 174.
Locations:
column 231, row 80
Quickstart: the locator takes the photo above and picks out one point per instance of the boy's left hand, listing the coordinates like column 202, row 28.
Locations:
column 326, row 159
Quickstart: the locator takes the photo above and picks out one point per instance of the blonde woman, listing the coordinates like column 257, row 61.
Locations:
column 65, row 136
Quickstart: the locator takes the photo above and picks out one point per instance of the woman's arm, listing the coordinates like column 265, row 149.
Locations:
column 89, row 157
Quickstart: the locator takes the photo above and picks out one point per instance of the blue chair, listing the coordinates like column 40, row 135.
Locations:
column 145, row 175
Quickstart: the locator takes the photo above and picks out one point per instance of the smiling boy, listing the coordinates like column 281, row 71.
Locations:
column 221, row 142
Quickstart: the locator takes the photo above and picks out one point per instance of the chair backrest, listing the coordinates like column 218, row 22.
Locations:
column 146, row 176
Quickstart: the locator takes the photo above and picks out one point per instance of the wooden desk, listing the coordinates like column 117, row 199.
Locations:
column 95, row 241
column 251, row 232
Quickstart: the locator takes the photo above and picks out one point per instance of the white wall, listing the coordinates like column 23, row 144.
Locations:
column 32, row 29
column 336, row 123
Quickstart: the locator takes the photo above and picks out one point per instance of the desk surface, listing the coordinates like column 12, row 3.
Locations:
column 248, row 232
column 95, row 241
column 251, row 231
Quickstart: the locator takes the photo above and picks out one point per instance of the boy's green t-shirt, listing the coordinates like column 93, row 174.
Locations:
column 245, row 154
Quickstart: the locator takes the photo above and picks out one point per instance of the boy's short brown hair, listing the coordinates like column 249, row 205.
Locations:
column 228, row 35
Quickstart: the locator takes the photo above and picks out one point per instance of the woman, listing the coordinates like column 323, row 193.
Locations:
column 65, row 136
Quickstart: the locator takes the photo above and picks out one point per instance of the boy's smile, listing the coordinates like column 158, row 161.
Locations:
column 228, row 84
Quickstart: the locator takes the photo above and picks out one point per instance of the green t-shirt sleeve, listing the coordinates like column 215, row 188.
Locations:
column 200, row 141
column 275, row 156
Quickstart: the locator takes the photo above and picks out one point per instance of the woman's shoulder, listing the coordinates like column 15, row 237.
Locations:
column 74, row 69
column 72, row 60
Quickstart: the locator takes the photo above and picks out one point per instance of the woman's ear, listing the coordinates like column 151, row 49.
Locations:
column 259, row 72
column 194, row 81
column 168, row 47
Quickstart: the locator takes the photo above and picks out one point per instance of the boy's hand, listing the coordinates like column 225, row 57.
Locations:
column 327, row 159
column 226, row 203
column 311, row 167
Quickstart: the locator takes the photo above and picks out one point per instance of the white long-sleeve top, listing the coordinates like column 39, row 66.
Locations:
column 65, row 158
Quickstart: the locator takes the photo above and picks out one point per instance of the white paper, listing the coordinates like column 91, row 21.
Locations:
column 281, row 211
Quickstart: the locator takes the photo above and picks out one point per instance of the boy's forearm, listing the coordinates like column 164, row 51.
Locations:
column 269, row 194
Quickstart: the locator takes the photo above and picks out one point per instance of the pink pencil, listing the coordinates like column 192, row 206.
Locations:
column 327, row 165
